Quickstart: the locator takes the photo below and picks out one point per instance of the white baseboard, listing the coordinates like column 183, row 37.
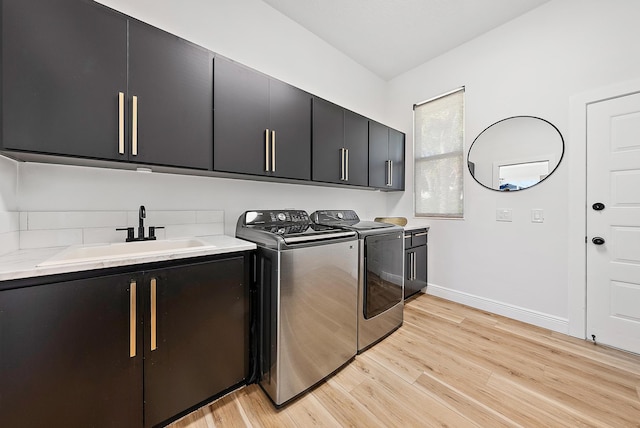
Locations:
column 552, row 322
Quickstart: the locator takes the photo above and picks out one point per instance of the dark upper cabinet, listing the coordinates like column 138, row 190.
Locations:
column 63, row 65
column 386, row 157
column 261, row 126
column 170, row 98
column 73, row 72
column 66, row 356
column 339, row 145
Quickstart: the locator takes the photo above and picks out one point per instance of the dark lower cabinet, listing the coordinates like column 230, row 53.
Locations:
column 415, row 257
column 199, row 345
column 126, row 350
column 65, row 355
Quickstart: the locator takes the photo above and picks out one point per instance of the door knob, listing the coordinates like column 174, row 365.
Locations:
column 598, row 240
column 598, row 206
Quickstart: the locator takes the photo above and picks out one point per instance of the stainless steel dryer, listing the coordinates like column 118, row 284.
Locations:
column 307, row 278
column 380, row 273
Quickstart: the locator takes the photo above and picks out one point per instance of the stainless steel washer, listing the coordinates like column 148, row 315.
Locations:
column 307, row 278
column 380, row 273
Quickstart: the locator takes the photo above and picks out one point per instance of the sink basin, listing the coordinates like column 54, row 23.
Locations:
column 90, row 253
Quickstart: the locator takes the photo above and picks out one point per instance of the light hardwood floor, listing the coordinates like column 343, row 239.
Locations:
column 451, row 365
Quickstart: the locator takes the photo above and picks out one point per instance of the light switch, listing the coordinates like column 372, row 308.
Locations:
column 537, row 216
column 504, row 214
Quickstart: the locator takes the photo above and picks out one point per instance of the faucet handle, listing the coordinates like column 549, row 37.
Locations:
column 129, row 233
column 152, row 231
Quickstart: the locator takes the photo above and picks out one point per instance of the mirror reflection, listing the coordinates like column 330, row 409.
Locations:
column 515, row 153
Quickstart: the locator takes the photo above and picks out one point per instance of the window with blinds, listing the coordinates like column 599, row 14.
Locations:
column 438, row 156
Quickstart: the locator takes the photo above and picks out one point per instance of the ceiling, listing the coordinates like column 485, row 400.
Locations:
column 390, row 37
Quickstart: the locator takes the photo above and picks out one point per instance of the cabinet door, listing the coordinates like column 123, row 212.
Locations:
column 415, row 270
column 65, row 355
column 290, row 119
column 378, row 155
column 328, row 140
column 241, row 117
column 172, row 81
column 201, row 335
column 396, row 155
column 63, row 65
column 356, row 138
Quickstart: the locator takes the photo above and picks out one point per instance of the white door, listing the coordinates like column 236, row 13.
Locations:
column 613, row 263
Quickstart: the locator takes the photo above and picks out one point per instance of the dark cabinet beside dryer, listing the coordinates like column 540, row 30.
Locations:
column 386, row 157
column 82, row 80
column 415, row 256
column 340, row 145
column 262, row 126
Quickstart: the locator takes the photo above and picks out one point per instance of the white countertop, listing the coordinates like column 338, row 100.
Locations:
column 24, row 263
column 413, row 226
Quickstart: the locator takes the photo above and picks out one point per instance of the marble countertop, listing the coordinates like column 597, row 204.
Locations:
column 24, row 263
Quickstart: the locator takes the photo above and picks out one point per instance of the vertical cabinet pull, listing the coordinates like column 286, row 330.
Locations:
column 273, row 151
column 154, row 331
column 132, row 319
column 387, row 180
column 342, row 167
column 121, row 123
column 134, row 126
column 415, row 273
column 267, row 145
column 346, row 177
column 390, row 173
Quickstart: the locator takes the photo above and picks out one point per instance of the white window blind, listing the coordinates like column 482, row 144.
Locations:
column 438, row 156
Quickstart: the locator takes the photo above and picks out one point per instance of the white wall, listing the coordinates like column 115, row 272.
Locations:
column 250, row 32
column 9, row 220
column 529, row 66
column 255, row 34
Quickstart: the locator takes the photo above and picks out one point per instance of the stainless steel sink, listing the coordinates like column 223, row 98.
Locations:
column 90, row 253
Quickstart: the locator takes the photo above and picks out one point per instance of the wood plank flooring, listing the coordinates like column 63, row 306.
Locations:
column 451, row 365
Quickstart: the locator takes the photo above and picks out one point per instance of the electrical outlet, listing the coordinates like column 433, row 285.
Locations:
column 504, row 214
column 537, row 216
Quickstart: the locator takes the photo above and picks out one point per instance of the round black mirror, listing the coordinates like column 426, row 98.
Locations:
column 515, row 153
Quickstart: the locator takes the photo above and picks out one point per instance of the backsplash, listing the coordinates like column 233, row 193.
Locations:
column 9, row 231
column 62, row 228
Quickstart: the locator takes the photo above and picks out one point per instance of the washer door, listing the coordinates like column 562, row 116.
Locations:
column 383, row 273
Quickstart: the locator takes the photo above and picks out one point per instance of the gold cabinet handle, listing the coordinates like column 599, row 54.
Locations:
column 132, row 319
column 121, row 123
column 267, row 134
column 134, row 126
column 154, row 331
column 346, row 162
column 273, row 151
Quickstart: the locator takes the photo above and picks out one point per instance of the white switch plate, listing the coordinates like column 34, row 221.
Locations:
column 504, row 214
column 537, row 216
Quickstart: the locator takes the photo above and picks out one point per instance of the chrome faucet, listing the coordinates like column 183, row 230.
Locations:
column 142, row 214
